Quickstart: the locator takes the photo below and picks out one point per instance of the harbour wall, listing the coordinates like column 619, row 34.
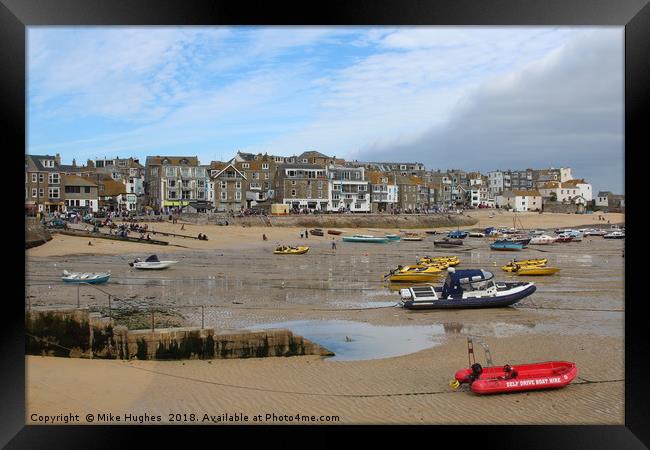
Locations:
column 35, row 233
column 339, row 220
column 77, row 333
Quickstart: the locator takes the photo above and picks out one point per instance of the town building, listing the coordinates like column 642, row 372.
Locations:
column 302, row 186
column 43, row 184
column 348, row 191
column 230, row 186
column 384, row 194
column 175, row 182
column 80, row 193
column 520, row 201
column 260, row 176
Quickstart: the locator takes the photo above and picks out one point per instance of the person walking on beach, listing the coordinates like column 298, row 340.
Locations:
column 301, row 235
column 306, row 234
column 264, row 237
column 333, row 244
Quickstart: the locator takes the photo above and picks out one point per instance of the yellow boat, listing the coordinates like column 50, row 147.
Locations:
column 412, row 276
column 530, row 270
column 513, row 265
column 451, row 261
column 286, row 250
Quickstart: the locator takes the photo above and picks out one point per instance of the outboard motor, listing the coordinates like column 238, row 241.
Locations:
column 477, row 370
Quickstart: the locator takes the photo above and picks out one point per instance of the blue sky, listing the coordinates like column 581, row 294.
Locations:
column 478, row 98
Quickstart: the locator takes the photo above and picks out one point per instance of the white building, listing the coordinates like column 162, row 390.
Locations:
column 570, row 191
column 348, row 189
column 520, row 201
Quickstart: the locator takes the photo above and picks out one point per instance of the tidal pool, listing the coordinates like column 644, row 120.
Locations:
column 350, row 340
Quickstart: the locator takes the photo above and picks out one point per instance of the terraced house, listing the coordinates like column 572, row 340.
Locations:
column 260, row 176
column 301, row 186
column 43, row 186
column 80, row 193
column 175, row 182
column 384, row 195
column 348, row 190
column 230, row 186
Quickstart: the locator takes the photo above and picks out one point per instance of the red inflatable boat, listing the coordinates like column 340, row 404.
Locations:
column 525, row 377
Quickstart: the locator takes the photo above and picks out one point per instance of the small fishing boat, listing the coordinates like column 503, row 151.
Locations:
column 514, row 264
column 412, row 237
column 563, row 238
column 594, row 232
column 521, row 377
column 524, row 240
column 466, row 289
column 430, row 231
column 448, row 260
column 457, row 234
column 476, row 234
column 334, row 232
column 85, row 277
column 413, row 273
column 448, row 243
column 543, row 239
column 614, row 235
column 507, row 246
column 536, row 270
column 288, row 250
column 316, row 232
column 151, row 263
column 393, row 237
column 576, row 235
column 365, row 238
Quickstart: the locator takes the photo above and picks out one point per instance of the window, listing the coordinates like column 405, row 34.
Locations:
column 293, row 192
column 266, row 176
column 238, row 185
column 293, row 182
column 171, row 194
column 41, row 192
column 72, row 190
column 304, row 160
column 34, row 175
column 33, row 192
column 54, row 192
column 87, row 189
column 265, row 166
column 320, row 194
column 224, row 196
column 171, row 182
column 238, row 195
column 41, row 177
column 224, row 185
column 245, row 166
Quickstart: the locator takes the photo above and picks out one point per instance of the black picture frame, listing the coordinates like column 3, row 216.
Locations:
column 634, row 15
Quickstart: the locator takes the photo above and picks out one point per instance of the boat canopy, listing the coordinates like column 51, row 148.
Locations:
column 152, row 258
column 460, row 280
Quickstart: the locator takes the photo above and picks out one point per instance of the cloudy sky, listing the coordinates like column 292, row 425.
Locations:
column 475, row 98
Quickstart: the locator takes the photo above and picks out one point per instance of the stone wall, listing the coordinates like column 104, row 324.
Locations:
column 75, row 332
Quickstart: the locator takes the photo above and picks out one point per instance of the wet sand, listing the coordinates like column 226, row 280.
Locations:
column 575, row 315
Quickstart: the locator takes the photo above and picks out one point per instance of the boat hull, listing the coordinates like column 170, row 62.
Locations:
column 299, row 251
column 530, row 377
column 153, row 265
column 376, row 240
column 471, row 303
column 507, row 247
column 537, row 271
column 98, row 280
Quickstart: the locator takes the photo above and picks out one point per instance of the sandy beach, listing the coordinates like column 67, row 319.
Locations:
column 576, row 316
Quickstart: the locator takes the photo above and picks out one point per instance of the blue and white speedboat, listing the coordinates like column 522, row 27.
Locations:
column 85, row 277
column 457, row 234
column 466, row 289
column 366, row 238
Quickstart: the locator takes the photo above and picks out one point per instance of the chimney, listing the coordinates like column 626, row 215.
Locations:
column 57, row 159
column 74, row 162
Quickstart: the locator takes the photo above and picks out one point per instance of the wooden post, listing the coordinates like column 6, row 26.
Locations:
column 202, row 317
column 110, row 311
column 78, row 296
column 152, row 321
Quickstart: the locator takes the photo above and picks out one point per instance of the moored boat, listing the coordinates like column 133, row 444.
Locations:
column 614, row 235
column 412, row 237
column 316, row 232
column 457, row 234
column 512, row 265
column 448, row 243
column 448, row 260
column 85, row 277
column 520, row 377
column 289, row 250
column 151, row 263
column 365, row 238
column 393, row 237
column 506, row 245
column 543, row 239
column 536, row 270
column 334, row 232
column 476, row 234
column 466, row 289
